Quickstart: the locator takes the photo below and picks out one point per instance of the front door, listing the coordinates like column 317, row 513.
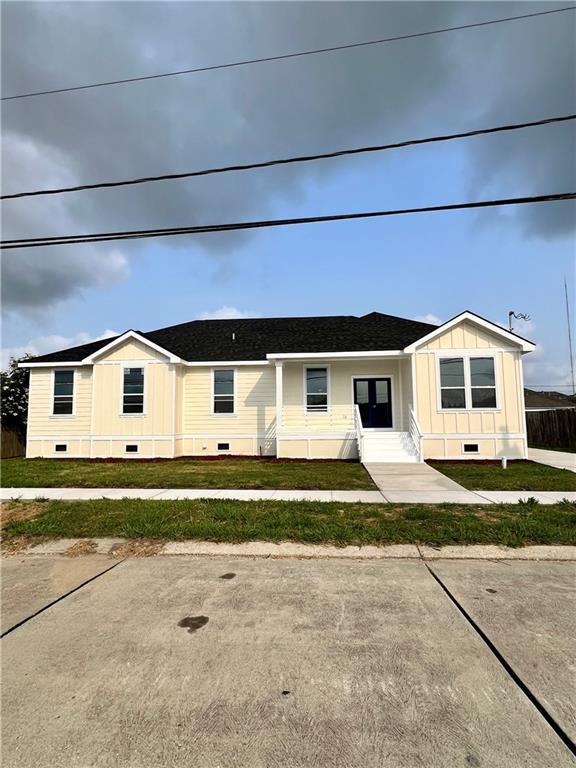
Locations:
column 374, row 399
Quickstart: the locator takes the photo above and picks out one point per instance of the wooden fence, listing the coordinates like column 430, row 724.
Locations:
column 552, row 429
column 12, row 444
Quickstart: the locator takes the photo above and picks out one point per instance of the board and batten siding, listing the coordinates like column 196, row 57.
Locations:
column 251, row 429
column 498, row 432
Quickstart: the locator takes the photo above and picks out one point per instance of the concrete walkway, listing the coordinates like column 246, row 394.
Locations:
column 558, row 459
column 418, row 483
column 416, row 486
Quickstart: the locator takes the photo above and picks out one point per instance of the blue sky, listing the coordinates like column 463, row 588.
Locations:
column 434, row 264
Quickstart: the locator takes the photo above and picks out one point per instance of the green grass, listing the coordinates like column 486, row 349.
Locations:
column 313, row 522
column 185, row 473
column 519, row 476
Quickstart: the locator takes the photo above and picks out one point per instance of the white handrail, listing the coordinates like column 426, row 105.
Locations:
column 415, row 432
column 359, row 430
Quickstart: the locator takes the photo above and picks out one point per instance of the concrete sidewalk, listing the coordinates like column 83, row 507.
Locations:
column 390, row 485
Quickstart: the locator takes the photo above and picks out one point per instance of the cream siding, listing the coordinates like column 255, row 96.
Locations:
column 108, row 418
column 178, row 418
column 41, row 421
column 499, row 431
column 131, row 350
column 251, row 429
column 339, row 417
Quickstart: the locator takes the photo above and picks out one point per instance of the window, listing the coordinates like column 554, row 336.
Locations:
column 452, row 387
column 133, row 391
column 467, row 382
column 223, row 446
column 470, row 447
column 482, row 382
column 131, row 449
column 223, row 396
column 316, row 389
column 63, row 393
column 60, row 447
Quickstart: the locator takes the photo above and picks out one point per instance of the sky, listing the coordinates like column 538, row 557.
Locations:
column 425, row 266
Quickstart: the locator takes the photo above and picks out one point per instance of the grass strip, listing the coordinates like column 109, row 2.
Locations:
column 312, row 522
column 518, row 476
column 186, row 473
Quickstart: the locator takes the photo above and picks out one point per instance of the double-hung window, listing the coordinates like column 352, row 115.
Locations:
column 133, row 391
column 63, row 393
column 467, row 382
column 317, row 389
column 482, row 382
column 223, row 394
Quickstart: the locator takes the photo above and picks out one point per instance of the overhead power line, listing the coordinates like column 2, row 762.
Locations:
column 39, row 242
column 289, row 160
column 294, row 55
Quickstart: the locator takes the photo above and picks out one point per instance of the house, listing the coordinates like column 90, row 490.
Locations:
column 377, row 387
column 547, row 401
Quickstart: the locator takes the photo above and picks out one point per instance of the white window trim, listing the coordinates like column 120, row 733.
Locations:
column 137, row 364
column 312, row 366
column 63, row 415
column 467, row 384
column 470, row 453
column 234, row 391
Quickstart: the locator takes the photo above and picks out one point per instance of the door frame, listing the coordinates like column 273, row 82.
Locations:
column 389, row 376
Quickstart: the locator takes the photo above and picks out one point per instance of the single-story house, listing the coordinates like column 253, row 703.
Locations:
column 547, row 401
column 377, row 387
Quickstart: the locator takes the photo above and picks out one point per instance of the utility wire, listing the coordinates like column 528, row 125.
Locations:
column 289, row 160
column 39, row 242
column 316, row 51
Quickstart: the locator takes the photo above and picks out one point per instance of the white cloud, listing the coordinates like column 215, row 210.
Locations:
column 429, row 318
column 42, row 345
column 226, row 313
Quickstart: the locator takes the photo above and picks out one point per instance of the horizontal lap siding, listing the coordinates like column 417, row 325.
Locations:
column 255, row 403
column 340, row 418
column 40, row 418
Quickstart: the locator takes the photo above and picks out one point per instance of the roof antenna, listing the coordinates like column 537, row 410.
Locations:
column 516, row 316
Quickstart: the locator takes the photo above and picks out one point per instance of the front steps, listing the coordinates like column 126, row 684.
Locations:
column 388, row 447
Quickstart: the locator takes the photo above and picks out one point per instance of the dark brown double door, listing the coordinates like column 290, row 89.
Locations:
column 374, row 399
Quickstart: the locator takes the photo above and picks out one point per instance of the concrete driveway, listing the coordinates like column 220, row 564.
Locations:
column 558, row 459
column 174, row 661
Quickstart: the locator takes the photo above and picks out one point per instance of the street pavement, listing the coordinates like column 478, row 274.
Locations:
column 171, row 661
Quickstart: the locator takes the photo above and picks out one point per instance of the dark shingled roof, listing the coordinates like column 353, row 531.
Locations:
column 547, row 400
column 211, row 340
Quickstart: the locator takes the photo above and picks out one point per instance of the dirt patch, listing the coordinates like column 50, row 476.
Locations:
column 136, row 548
column 82, row 547
column 16, row 544
column 19, row 510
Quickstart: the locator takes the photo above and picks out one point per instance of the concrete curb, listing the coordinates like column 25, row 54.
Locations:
column 266, row 549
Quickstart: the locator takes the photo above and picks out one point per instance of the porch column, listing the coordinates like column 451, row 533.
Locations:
column 279, row 396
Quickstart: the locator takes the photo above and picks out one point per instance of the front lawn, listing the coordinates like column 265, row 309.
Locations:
column 519, row 476
column 312, row 522
column 185, row 473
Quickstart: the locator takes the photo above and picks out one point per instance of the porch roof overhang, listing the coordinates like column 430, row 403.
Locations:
column 367, row 354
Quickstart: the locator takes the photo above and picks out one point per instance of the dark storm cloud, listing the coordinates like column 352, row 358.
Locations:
column 303, row 105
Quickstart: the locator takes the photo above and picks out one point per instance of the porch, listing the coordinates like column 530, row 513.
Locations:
column 359, row 406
